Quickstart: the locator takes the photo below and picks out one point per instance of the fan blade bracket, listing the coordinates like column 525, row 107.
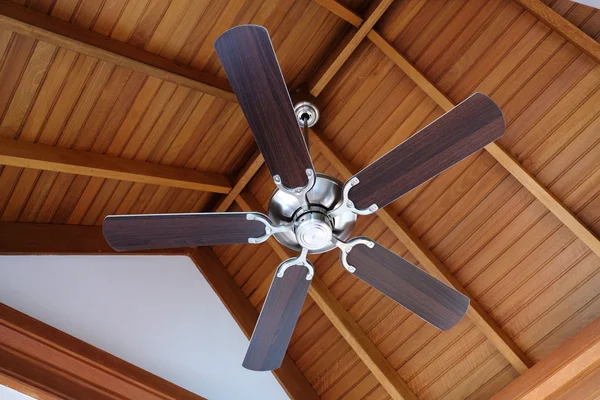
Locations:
column 300, row 261
column 270, row 229
column 347, row 247
column 299, row 192
column 348, row 205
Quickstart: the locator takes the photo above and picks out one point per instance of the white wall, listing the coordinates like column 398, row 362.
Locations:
column 157, row 312
column 7, row 393
column 591, row 3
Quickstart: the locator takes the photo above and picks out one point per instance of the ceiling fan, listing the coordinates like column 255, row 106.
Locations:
column 313, row 213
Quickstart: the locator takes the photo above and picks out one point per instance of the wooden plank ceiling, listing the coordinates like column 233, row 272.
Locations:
column 515, row 226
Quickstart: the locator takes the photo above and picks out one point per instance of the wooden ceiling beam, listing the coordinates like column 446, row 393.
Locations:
column 20, row 153
column 502, row 156
column 21, row 238
column 563, row 27
column 41, row 360
column 336, row 59
column 341, row 320
column 25, row 21
column 565, row 369
column 432, row 264
column 289, row 375
column 250, row 169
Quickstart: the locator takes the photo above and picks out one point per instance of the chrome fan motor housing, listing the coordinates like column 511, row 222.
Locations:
column 313, row 227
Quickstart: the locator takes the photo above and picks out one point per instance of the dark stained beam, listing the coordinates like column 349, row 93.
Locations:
column 41, row 360
column 40, row 239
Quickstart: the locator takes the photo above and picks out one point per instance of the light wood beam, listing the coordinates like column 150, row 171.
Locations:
column 25, row 21
column 432, row 264
column 563, row 27
column 289, row 376
column 20, row 153
column 341, row 11
column 502, row 156
column 343, row 322
column 42, row 360
column 21, row 238
column 244, row 177
column 340, row 55
column 566, row 366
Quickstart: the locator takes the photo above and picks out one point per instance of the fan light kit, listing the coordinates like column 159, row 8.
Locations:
column 314, row 213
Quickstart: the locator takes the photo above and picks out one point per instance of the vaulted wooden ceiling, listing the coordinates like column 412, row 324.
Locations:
column 121, row 106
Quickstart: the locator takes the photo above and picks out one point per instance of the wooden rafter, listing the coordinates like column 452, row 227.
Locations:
column 502, row 156
column 25, row 21
column 20, row 153
column 289, row 376
column 562, row 26
column 572, row 370
column 248, row 171
column 433, row 265
column 340, row 55
column 43, row 361
column 342, row 321
column 37, row 239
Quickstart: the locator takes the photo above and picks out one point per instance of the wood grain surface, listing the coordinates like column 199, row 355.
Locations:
column 468, row 127
column 161, row 231
column 413, row 288
column 277, row 320
column 249, row 60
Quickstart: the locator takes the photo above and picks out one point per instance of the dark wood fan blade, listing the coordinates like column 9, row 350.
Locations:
column 163, row 231
column 468, row 127
column 405, row 283
column 277, row 320
column 249, row 61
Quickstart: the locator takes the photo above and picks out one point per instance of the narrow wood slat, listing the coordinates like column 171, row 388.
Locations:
column 20, row 153
column 341, row 319
column 28, row 22
column 291, row 378
column 340, row 55
column 561, row 25
column 38, row 239
column 579, row 354
column 58, row 365
column 432, row 265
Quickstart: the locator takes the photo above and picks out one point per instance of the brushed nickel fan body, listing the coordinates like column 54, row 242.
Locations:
column 313, row 225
